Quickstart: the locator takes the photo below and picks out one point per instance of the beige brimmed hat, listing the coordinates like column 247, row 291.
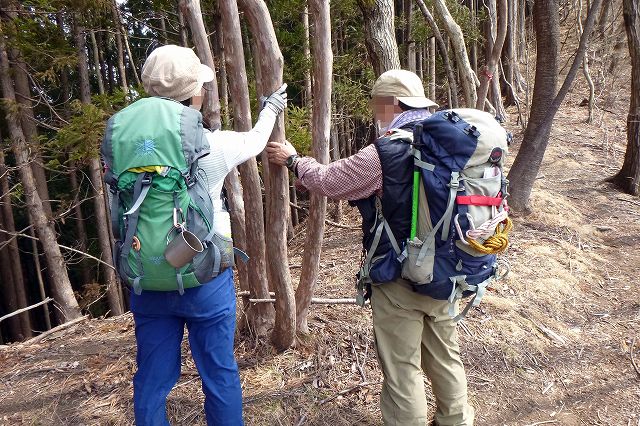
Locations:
column 174, row 72
column 404, row 85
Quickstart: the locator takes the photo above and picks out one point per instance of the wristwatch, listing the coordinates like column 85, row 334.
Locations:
column 291, row 162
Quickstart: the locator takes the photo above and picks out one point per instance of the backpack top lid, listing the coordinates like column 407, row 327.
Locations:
column 463, row 138
column 153, row 132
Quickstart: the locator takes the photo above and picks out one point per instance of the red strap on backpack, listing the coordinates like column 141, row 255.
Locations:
column 478, row 200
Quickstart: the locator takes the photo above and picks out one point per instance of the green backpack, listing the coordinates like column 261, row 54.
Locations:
column 151, row 150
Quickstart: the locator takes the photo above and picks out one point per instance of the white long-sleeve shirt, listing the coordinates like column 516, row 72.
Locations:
column 228, row 149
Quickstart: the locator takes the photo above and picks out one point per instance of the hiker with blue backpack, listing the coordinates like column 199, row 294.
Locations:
column 431, row 193
column 173, row 245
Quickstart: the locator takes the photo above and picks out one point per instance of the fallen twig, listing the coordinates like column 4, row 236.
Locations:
column 542, row 423
column 346, row 391
column 327, row 221
column 40, row 337
column 633, row 361
column 628, row 201
column 19, row 311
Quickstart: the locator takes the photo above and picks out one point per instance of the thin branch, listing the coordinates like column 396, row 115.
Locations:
column 17, row 234
column 19, row 311
column 40, row 337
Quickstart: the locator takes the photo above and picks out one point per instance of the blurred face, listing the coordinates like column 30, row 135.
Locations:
column 197, row 100
column 385, row 109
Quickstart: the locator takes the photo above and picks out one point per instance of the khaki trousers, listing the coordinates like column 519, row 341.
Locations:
column 414, row 333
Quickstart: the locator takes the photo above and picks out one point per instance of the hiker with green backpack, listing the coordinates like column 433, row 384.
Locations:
column 432, row 197
column 173, row 248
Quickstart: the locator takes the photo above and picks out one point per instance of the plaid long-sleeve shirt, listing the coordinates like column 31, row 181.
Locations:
column 352, row 178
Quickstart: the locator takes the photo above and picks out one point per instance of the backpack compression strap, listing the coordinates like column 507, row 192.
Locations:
column 140, row 191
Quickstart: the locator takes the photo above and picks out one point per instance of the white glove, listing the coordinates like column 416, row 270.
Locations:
column 277, row 101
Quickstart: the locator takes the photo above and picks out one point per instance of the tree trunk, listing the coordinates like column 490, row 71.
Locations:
column 432, row 75
column 95, row 174
column 410, row 43
column 628, row 178
column 62, row 290
column 379, row 30
column 17, row 295
column 7, row 284
column 118, row 34
column 444, row 53
column 497, row 25
column 468, row 78
column 307, row 57
column 223, row 89
column 585, row 66
column 211, row 105
column 96, row 62
column 270, row 63
column 544, row 106
column 260, row 315
column 81, row 232
column 321, row 125
column 184, row 39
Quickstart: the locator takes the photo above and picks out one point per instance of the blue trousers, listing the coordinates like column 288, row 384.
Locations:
column 209, row 312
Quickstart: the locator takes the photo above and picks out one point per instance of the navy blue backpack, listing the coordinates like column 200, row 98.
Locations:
column 460, row 216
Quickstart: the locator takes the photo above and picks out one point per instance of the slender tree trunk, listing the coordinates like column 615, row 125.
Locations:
column 473, row 54
column 379, row 32
column 432, row 75
column 7, row 285
column 628, row 178
column 544, row 105
column 63, row 292
column 444, row 53
column 16, row 293
column 261, row 315
column 96, row 62
column 38, row 272
column 184, row 38
column 469, row 80
column 219, row 52
column 307, row 57
column 585, row 66
column 211, row 107
column 270, row 64
column 118, row 36
column 321, row 125
column 81, row 233
column 95, row 174
column 409, row 41
column 490, row 72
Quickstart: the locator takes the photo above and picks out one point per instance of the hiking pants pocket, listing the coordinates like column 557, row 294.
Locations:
column 418, row 265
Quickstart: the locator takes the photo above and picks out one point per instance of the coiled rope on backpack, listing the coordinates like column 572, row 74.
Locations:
column 498, row 242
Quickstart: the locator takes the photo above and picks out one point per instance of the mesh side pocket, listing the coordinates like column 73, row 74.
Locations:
column 423, row 273
column 226, row 250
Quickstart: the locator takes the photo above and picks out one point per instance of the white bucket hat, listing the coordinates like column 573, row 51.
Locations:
column 174, row 72
column 404, row 85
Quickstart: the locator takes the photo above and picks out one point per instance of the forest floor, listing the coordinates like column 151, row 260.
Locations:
column 554, row 343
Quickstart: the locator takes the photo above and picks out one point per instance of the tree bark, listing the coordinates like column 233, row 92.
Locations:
column 120, row 50
column 16, row 292
column 585, row 66
column 211, row 106
column 114, row 297
column 321, row 126
column 410, row 43
column 307, row 56
column 96, row 62
column 490, row 70
column 379, row 30
column 270, row 63
column 62, row 290
column 468, row 78
column 444, row 53
column 260, row 316
column 544, row 106
column 81, row 232
column 628, row 178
